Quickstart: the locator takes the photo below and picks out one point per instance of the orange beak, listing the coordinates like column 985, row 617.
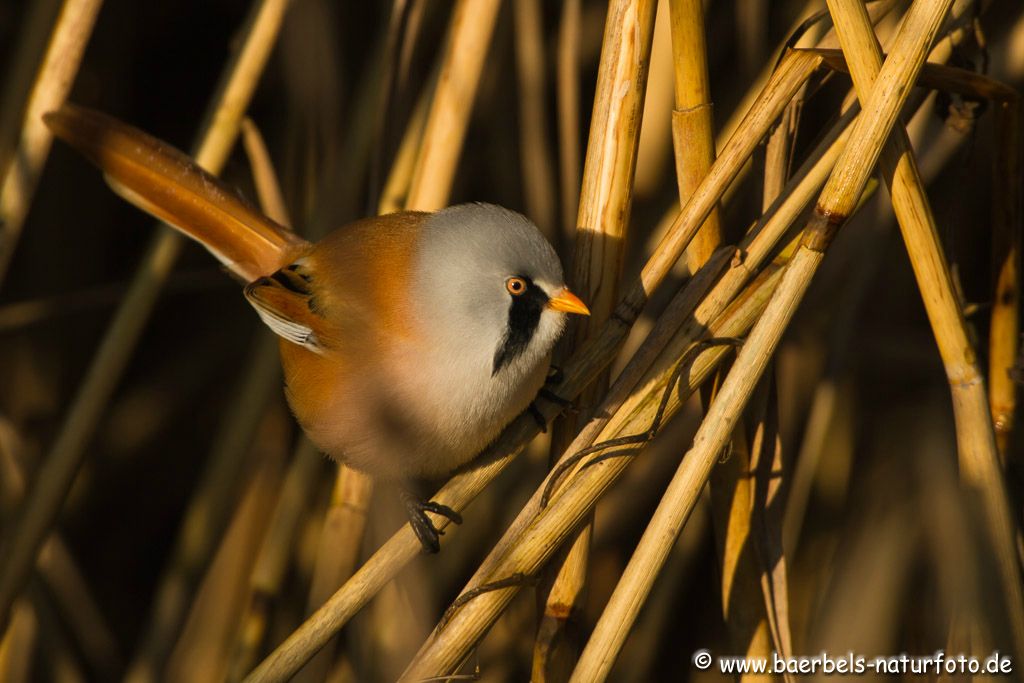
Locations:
column 567, row 302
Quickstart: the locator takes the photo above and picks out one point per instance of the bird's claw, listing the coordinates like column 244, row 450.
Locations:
column 429, row 535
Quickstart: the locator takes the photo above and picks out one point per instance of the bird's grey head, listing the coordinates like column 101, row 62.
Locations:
column 490, row 275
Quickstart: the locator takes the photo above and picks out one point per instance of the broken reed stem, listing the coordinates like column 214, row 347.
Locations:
column 1004, row 330
column 56, row 74
column 979, row 462
column 693, row 138
column 58, row 470
column 398, row 551
column 837, row 201
column 469, row 38
column 602, row 228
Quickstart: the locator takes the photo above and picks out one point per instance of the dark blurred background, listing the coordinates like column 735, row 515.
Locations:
column 872, row 536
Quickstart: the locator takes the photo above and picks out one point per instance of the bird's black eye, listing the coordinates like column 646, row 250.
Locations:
column 516, row 286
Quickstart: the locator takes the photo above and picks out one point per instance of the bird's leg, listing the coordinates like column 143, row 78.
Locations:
column 428, row 534
column 554, row 378
column 555, row 375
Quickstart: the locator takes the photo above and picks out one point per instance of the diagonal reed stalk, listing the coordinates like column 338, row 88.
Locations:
column 470, row 619
column 53, row 81
column 601, row 232
column 837, row 201
column 979, row 461
column 58, row 470
column 472, row 26
column 274, row 555
column 61, row 576
column 218, row 499
column 793, row 70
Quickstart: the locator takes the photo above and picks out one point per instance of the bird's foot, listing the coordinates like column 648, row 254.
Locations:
column 428, row 534
column 555, row 377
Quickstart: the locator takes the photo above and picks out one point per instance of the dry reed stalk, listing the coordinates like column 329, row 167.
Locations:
column 937, row 75
column 753, row 591
column 835, row 205
column 731, row 495
column 538, row 177
column 830, row 401
column 571, row 503
column 786, row 80
column 53, row 82
column 878, row 11
column 732, row 501
column 654, row 152
column 340, row 543
column 602, row 226
column 768, row 466
column 275, row 554
column 692, row 128
column 396, row 187
column 58, row 470
column 469, row 39
column 208, row 513
column 793, row 70
column 17, row 646
column 751, row 29
column 25, row 53
column 568, row 101
column 979, row 461
column 203, row 650
column 1004, row 328
column 268, row 187
column 661, row 616
column 57, row 567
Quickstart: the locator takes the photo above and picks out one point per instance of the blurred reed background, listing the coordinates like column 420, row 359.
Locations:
column 163, row 520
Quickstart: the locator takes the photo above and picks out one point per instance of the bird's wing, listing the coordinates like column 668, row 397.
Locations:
column 285, row 302
column 348, row 295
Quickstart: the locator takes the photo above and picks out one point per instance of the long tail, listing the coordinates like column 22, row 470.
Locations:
column 166, row 183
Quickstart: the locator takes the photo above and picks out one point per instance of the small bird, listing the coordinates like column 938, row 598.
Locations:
column 408, row 340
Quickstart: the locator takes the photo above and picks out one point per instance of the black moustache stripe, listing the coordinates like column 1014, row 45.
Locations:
column 523, row 318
